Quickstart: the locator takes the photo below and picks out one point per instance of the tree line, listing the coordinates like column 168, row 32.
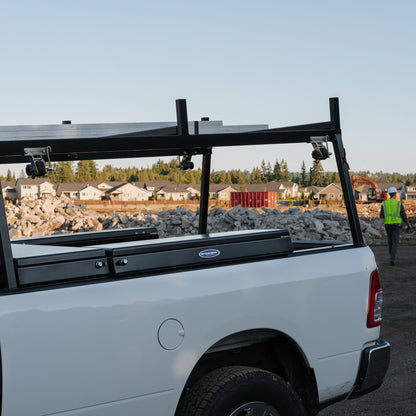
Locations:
column 87, row 170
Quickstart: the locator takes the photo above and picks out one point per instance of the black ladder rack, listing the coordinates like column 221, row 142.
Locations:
column 171, row 141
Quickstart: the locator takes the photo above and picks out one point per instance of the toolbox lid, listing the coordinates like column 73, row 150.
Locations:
column 31, row 254
column 40, row 264
column 205, row 250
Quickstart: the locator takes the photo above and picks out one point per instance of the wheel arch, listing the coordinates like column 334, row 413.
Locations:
column 263, row 348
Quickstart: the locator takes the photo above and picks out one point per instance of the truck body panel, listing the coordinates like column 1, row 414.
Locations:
column 97, row 341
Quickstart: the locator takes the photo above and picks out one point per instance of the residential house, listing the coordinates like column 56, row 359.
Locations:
column 8, row 189
column 105, row 185
column 128, row 192
column 223, row 191
column 285, row 189
column 218, row 191
column 384, row 186
column 34, row 188
column 331, row 192
column 90, row 193
column 361, row 192
column 194, row 190
column 411, row 192
column 153, row 186
column 175, row 192
column 311, row 191
column 71, row 190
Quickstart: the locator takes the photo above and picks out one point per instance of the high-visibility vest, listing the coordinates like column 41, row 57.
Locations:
column 391, row 209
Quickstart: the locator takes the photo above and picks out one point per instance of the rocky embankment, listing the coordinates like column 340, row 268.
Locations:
column 32, row 218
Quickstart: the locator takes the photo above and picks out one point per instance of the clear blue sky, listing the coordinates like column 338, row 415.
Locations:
column 243, row 62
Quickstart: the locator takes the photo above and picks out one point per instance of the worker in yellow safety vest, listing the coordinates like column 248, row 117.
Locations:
column 392, row 213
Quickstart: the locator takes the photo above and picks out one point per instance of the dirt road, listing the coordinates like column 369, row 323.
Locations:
column 397, row 396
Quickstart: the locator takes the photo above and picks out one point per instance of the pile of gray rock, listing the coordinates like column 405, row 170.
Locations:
column 60, row 215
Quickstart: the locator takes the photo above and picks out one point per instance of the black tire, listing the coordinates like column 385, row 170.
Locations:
column 240, row 391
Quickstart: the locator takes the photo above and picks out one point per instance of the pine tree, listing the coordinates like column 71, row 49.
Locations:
column 317, row 174
column 277, row 172
column 9, row 176
column 263, row 171
column 269, row 172
column 83, row 173
column 223, row 177
column 256, row 175
column 62, row 172
column 236, row 176
column 92, row 167
column 284, row 172
column 303, row 175
column 143, row 176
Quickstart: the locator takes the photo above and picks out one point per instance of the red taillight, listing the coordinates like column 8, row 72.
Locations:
column 375, row 301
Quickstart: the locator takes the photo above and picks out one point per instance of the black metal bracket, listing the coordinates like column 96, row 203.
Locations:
column 186, row 162
column 320, row 148
column 40, row 162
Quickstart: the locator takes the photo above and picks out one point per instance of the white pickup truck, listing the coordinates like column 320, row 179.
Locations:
column 123, row 323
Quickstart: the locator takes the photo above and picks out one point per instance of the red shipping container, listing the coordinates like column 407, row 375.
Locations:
column 254, row 199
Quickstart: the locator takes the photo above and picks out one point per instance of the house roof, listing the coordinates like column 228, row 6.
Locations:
column 111, row 184
column 214, row 187
column 386, row 185
column 174, row 187
column 218, row 187
column 194, row 186
column 331, row 185
column 313, row 188
column 117, row 188
column 141, row 185
column 278, row 185
column 30, row 181
column 362, row 189
column 8, row 184
column 73, row 186
column 156, row 184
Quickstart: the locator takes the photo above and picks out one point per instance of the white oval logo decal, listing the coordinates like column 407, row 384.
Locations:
column 209, row 253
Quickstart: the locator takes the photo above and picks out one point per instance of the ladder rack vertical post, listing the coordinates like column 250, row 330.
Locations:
column 203, row 206
column 204, row 196
column 182, row 118
column 343, row 169
column 7, row 273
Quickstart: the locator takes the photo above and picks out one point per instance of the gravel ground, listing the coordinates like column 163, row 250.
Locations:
column 397, row 395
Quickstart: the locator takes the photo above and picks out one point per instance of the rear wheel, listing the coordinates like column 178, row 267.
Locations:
column 240, row 391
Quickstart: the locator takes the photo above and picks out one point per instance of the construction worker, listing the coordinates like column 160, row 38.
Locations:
column 392, row 213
